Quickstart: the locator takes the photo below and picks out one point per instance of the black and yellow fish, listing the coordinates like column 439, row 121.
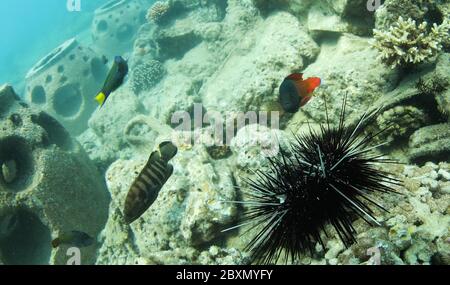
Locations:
column 145, row 188
column 115, row 78
column 73, row 238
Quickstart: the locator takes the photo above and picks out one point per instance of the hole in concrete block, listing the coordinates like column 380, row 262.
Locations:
column 26, row 239
column 56, row 133
column 67, row 100
column 48, row 79
column 102, row 26
column 60, row 69
column 38, row 95
column 16, row 163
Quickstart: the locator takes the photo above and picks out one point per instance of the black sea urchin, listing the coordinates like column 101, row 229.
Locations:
column 325, row 178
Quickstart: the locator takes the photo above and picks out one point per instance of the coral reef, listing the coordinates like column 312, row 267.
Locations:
column 146, row 75
column 157, row 12
column 415, row 231
column 39, row 194
column 290, row 49
column 347, row 65
column 229, row 57
column 405, row 43
column 188, row 212
column 440, row 84
column 431, row 11
column 430, row 143
column 62, row 84
column 342, row 16
column 104, row 140
column 400, row 122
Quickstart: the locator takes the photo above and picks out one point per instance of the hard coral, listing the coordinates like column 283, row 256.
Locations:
column 406, row 44
column 146, row 75
column 157, row 12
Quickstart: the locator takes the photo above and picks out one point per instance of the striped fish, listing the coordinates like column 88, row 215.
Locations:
column 145, row 188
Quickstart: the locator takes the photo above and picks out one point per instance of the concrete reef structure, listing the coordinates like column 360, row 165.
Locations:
column 47, row 185
column 64, row 82
column 115, row 25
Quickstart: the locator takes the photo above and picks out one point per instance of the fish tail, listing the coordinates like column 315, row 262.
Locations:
column 100, row 98
column 56, row 242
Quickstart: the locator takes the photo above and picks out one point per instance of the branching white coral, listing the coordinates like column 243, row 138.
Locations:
column 406, row 43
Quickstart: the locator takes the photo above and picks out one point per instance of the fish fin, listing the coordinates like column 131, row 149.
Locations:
column 100, row 98
column 56, row 242
column 311, row 84
column 295, row 76
column 155, row 155
column 305, row 100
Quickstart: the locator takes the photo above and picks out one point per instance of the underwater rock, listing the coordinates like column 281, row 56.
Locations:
column 146, row 75
column 45, row 196
column 442, row 78
column 416, row 227
column 270, row 51
column 115, row 25
column 266, row 7
column 429, row 10
column 188, row 212
column 253, row 144
column 188, row 256
column 347, row 65
column 101, row 154
column 342, row 16
column 400, row 122
column 186, row 18
column 223, row 256
column 175, row 41
column 430, row 143
column 108, row 123
column 63, row 83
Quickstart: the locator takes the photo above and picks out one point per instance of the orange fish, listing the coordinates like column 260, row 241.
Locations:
column 295, row 91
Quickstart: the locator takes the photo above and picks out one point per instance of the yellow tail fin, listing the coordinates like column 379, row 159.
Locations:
column 100, row 98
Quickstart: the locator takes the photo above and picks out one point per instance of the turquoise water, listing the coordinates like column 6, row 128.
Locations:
column 31, row 28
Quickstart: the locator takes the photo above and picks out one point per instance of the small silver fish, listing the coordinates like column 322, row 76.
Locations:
column 145, row 188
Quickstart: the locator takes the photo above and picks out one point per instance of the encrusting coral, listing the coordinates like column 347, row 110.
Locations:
column 157, row 12
column 405, row 43
column 146, row 75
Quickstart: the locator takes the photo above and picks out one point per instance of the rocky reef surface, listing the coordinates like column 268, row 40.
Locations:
column 230, row 57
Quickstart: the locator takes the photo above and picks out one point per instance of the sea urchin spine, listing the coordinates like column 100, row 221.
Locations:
column 326, row 177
